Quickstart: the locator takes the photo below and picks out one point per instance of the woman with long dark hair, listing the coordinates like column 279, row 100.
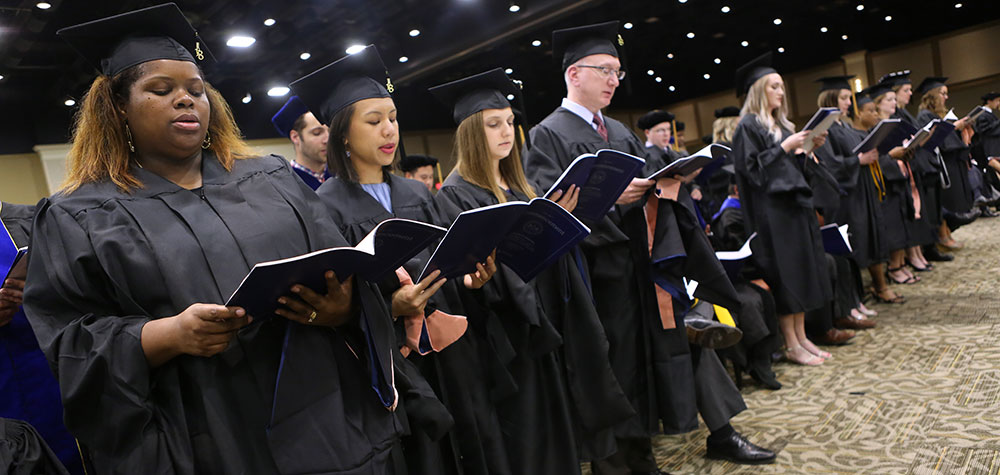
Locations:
column 164, row 211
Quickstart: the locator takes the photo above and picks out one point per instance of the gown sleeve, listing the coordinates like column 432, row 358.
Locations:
column 837, row 157
column 762, row 161
column 542, row 165
column 95, row 352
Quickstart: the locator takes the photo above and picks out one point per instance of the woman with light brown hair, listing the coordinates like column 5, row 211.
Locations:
column 164, row 212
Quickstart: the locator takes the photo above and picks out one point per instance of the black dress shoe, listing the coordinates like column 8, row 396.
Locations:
column 711, row 334
column 738, row 449
column 985, row 212
column 957, row 220
column 931, row 253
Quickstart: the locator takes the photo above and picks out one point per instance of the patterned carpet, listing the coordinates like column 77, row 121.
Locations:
column 919, row 394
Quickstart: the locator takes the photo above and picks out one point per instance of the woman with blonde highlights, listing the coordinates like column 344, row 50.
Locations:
column 164, row 212
column 778, row 205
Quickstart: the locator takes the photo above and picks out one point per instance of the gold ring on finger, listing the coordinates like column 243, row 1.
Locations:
column 312, row 316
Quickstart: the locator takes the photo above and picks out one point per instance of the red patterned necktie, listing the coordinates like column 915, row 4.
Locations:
column 601, row 129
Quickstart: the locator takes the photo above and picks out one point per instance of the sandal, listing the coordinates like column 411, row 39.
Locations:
column 908, row 280
column 918, row 269
column 898, row 299
column 791, row 354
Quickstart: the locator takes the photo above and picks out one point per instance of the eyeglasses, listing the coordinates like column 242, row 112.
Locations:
column 605, row 71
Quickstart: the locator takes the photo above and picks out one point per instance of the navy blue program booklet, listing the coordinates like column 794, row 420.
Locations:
column 601, row 177
column 732, row 261
column 385, row 248
column 528, row 237
column 887, row 135
column 835, row 239
column 692, row 163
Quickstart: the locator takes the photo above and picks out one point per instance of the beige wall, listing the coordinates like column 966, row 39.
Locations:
column 21, row 179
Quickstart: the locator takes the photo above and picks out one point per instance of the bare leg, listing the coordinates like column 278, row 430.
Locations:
column 882, row 289
column 794, row 351
column 800, row 332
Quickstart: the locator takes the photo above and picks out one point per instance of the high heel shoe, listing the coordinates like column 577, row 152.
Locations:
column 794, row 355
column 918, row 269
column 898, row 299
column 908, row 280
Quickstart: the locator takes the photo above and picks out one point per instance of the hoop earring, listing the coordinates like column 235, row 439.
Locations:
column 128, row 134
column 207, row 142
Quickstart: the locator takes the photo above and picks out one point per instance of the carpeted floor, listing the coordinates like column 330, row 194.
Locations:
column 919, row 394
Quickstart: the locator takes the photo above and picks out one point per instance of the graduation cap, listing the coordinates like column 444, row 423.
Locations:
column 410, row 163
column 679, row 126
column 343, row 82
column 989, row 96
column 116, row 43
column 750, row 72
column 284, row 120
column 897, row 78
column 728, row 111
column 487, row 90
column 931, row 83
column 872, row 92
column 834, row 83
column 651, row 118
column 571, row 44
column 729, row 171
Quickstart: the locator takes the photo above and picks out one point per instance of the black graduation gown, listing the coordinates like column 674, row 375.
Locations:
column 777, row 204
column 284, row 397
column 23, row 452
column 860, row 208
column 475, row 443
column 928, row 172
column 958, row 197
column 987, row 127
column 536, row 419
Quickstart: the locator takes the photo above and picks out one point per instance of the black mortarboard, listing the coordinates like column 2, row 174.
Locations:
column 897, row 78
column 750, row 72
column 571, row 44
column 284, row 120
column 930, row 83
column 413, row 162
column 651, row 118
column 728, row 111
column 116, row 43
column 872, row 93
column 343, row 82
column 466, row 96
column 989, row 96
column 679, row 126
column 834, row 83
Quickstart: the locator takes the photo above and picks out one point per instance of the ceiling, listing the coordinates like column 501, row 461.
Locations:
column 457, row 38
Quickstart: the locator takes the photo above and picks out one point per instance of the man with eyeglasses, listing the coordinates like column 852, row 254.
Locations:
column 637, row 287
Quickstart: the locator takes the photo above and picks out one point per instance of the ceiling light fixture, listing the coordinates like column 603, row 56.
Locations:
column 403, row 59
column 414, row 33
column 239, row 41
column 745, row 43
column 672, row 88
column 670, row 56
column 510, row 97
column 650, row 72
column 354, row 49
column 305, row 55
column 682, row 1
column 781, row 49
column 958, row 5
column 509, row 71
column 823, row 29
column 69, row 102
column 888, row 18
column 277, row 91
column 1, row 77
column 718, row 60
column 247, row 98
column 43, row 5
column 690, row 35
column 726, row 9
column 860, row 7
column 844, row 37
column 269, row 22
column 857, row 85
column 628, row 25
column 514, row 8
column 536, row 43
column 777, row 21
column 707, row 76
column 658, row 79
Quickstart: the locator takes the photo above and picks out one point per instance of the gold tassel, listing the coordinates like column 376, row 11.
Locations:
column 879, row 180
column 673, row 131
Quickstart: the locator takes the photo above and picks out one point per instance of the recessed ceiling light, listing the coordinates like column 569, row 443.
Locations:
column 269, row 22
column 69, row 102
column 304, row 56
column 843, row 37
column 628, row 26
column 860, row 7
column 672, row 88
column 745, row 43
column 682, row 1
column 707, row 76
column 823, row 29
column 354, row 49
column 958, row 5
column 658, row 79
column 536, row 43
column 888, row 18
column 781, row 49
column 47, row 5
column 403, row 59
column 690, row 35
column 777, row 21
column 514, row 8
column 510, row 97
column 509, row 71
column 240, row 41
column 1, row 77
column 650, row 72
column 725, row 9
column 247, row 98
column 718, row 60
column 414, row 32
column 670, row 56
column 277, row 91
